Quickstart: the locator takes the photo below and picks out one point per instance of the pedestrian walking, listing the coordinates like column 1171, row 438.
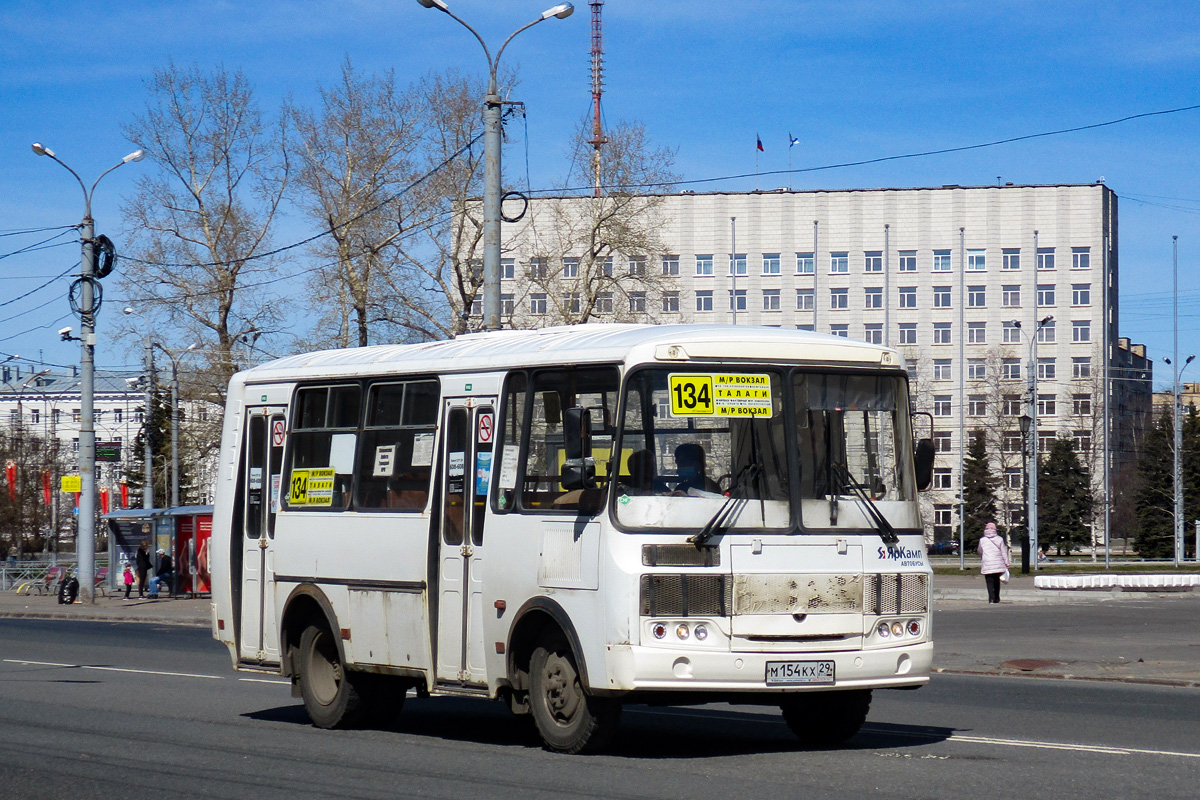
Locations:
column 993, row 560
column 128, row 579
column 143, row 567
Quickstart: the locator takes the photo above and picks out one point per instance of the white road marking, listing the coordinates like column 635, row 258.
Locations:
column 114, row 669
column 266, row 680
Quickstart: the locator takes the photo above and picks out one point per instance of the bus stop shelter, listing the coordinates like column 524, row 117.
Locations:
column 183, row 532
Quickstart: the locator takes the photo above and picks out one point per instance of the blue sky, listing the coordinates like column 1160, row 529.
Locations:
column 851, row 80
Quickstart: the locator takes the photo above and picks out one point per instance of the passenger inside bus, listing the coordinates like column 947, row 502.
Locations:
column 690, row 466
column 642, row 473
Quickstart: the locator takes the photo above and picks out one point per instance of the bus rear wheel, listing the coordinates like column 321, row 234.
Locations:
column 330, row 696
column 826, row 719
column 568, row 719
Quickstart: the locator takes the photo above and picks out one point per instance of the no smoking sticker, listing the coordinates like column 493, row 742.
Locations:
column 486, row 428
column 277, row 431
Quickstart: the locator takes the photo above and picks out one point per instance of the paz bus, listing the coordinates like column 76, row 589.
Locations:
column 573, row 519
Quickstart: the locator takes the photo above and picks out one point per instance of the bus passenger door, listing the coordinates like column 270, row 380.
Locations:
column 469, row 426
column 262, row 456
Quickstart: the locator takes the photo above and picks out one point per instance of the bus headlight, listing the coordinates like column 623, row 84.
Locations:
column 701, row 632
column 897, row 629
column 681, row 631
column 884, row 630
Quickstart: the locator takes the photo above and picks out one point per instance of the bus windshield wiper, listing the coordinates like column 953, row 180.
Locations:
column 724, row 516
column 886, row 532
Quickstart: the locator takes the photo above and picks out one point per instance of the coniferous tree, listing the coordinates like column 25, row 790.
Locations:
column 1065, row 501
column 979, row 489
column 1155, row 502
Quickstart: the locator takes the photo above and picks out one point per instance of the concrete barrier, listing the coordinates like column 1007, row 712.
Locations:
column 1168, row 582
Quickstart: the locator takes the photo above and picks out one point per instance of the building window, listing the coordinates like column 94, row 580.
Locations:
column 570, row 268
column 976, row 369
column 75, row 415
column 1012, row 478
column 604, row 303
column 977, row 296
column 770, row 300
column 908, row 297
column 1082, row 440
column 1013, row 405
column 1047, row 405
column 670, row 265
column 942, row 333
column 737, row 300
column 943, row 441
column 873, row 333
column 770, row 265
column 1081, row 331
column 943, row 515
column 1045, row 369
column 704, row 265
column 508, row 268
column 637, row 302
column 1010, row 296
column 737, row 264
column 840, row 330
column 839, row 262
column 941, row 405
column 606, row 267
column 1081, row 258
column 637, row 266
column 508, row 305
column 873, row 297
column 56, row 417
column 1045, row 258
column 1045, row 333
column 1081, row 405
column 942, row 370
column 976, row 333
column 35, row 415
column 1010, row 333
column 943, row 478
column 574, row 302
column 1081, row 367
column 1045, row 295
column 704, row 301
column 537, row 303
column 908, row 260
column 538, row 268
column 908, row 333
column 808, row 326
column 476, row 307
column 1010, row 369
column 1012, row 442
column 805, row 300
column 75, row 445
column 873, row 261
column 805, row 264
column 941, row 297
column 14, row 416
column 1046, row 440
column 976, row 261
column 976, row 405
column 1011, row 258
column 839, row 298
column 941, row 260
column 1081, row 294
column 670, row 302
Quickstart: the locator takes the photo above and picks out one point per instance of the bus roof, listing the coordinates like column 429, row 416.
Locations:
column 590, row 343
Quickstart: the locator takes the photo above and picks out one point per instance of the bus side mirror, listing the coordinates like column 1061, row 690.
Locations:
column 579, row 468
column 923, row 459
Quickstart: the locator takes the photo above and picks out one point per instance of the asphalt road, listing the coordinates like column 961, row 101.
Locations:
column 98, row 710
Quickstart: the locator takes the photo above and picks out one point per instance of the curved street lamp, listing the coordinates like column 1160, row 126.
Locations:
column 491, row 159
column 1031, row 468
column 85, row 543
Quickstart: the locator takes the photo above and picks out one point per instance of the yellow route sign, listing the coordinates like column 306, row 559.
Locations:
column 72, row 483
column 311, row 487
column 720, row 395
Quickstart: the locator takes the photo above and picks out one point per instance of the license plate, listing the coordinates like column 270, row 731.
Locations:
column 790, row 672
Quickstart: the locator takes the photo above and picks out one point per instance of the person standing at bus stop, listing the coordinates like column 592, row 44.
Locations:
column 143, row 567
column 993, row 560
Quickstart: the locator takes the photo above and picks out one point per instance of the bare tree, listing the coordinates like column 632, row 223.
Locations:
column 354, row 155
column 199, row 226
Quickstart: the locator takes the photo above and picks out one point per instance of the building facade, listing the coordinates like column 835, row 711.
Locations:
column 997, row 296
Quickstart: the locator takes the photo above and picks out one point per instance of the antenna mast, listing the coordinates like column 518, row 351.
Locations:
column 598, row 137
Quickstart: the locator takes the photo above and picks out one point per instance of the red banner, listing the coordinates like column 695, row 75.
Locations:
column 46, row 487
column 10, row 475
column 124, row 495
column 104, row 501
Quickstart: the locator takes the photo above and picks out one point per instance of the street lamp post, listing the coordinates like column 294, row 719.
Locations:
column 1031, row 467
column 1026, row 421
column 174, row 418
column 1177, row 466
column 85, row 544
column 491, row 159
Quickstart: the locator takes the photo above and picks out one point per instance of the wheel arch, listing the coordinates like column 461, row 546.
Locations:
column 533, row 619
column 306, row 605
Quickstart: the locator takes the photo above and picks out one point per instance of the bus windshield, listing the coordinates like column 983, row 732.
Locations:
column 763, row 449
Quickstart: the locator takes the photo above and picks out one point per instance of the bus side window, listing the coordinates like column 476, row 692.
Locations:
column 511, row 429
column 395, row 460
column 323, row 441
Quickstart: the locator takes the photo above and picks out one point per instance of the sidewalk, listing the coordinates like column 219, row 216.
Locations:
column 115, row 608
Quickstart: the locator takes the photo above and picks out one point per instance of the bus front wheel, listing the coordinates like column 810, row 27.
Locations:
column 330, row 696
column 825, row 719
column 568, row 719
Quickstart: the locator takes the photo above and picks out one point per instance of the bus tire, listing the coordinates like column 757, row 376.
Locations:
column 568, row 719
column 826, row 719
column 330, row 696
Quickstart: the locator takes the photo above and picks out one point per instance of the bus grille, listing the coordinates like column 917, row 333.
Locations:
column 896, row 594
column 685, row 595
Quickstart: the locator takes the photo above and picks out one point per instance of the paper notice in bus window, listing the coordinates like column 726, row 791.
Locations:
column 385, row 461
column 508, row 466
column 276, row 490
column 456, row 463
column 720, row 395
column 255, row 478
column 341, row 453
column 483, row 471
column 422, row 454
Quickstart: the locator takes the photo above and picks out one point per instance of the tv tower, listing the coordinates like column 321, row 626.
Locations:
column 598, row 137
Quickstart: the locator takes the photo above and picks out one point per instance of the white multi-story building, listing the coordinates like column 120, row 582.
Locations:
column 976, row 286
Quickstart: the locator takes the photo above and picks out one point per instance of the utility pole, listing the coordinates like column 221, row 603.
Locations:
column 148, row 445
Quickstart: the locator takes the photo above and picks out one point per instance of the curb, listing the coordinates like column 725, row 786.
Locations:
column 1063, row 676
column 86, row 617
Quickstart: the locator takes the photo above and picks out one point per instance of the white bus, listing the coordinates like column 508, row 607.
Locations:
column 573, row 519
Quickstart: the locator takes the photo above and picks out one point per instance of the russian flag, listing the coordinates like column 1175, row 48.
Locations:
column 759, row 138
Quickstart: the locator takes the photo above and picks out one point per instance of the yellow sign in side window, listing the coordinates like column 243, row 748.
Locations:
column 720, row 395
column 311, row 487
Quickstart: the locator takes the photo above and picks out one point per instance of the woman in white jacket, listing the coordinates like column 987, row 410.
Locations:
column 993, row 560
